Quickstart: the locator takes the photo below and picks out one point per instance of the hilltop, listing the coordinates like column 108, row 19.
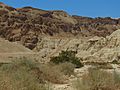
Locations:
column 27, row 25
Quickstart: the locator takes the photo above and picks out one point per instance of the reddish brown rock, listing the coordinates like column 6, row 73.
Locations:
column 28, row 24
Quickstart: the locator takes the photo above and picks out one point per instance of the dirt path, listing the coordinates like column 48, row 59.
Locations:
column 70, row 85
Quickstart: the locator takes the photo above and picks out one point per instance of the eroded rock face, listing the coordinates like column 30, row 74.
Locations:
column 28, row 24
column 94, row 49
column 102, row 49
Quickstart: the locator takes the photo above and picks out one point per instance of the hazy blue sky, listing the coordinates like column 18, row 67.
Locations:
column 92, row 8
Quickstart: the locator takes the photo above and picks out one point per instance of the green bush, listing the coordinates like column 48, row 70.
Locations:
column 1, row 6
column 115, row 62
column 67, row 56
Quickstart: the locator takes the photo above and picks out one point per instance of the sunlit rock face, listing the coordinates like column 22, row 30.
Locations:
column 27, row 25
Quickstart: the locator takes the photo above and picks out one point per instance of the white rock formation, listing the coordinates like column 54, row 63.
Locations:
column 96, row 49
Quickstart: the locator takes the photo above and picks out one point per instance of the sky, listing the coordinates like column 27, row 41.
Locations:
column 90, row 8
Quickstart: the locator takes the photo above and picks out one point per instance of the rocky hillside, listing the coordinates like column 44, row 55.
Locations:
column 90, row 50
column 27, row 25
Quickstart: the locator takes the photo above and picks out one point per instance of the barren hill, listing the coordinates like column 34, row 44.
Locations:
column 8, row 47
column 11, row 50
column 27, row 25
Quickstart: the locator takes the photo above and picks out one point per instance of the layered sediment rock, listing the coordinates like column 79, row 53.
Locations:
column 26, row 25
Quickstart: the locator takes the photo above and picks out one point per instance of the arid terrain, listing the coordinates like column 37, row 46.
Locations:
column 31, row 38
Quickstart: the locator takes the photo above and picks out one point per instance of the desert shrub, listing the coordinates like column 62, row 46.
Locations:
column 51, row 73
column 67, row 56
column 116, row 79
column 16, row 77
column 98, row 80
column 1, row 6
column 22, row 63
column 115, row 62
column 25, row 74
column 66, row 68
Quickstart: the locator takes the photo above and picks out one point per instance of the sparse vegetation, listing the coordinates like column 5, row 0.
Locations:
column 19, row 76
column 1, row 6
column 26, row 74
column 98, row 80
column 51, row 74
column 66, row 68
column 67, row 56
column 104, row 66
column 115, row 62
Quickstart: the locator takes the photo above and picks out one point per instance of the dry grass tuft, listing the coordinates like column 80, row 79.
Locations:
column 24, row 74
column 98, row 80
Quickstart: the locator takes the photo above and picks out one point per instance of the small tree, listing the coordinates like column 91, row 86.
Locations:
column 67, row 56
